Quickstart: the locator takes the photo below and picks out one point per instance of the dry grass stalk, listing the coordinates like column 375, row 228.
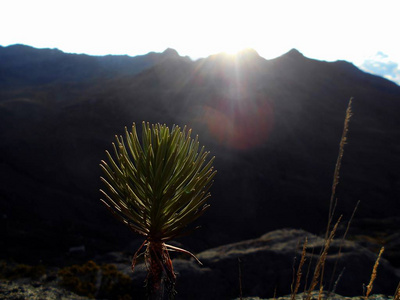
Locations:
column 240, row 279
column 336, row 283
column 373, row 275
column 294, row 266
column 308, row 270
column 321, row 261
column 397, row 293
column 338, row 164
column 340, row 250
column 321, row 292
column 299, row 274
column 333, row 200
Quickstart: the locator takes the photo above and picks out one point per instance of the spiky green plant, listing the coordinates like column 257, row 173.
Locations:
column 157, row 187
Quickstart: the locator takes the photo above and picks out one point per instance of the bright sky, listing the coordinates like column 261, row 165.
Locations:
column 363, row 32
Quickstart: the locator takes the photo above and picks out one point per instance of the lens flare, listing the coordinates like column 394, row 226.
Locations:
column 240, row 125
column 236, row 113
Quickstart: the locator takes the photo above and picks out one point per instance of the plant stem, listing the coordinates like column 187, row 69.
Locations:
column 161, row 278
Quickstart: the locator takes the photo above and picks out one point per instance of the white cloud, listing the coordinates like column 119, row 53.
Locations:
column 381, row 64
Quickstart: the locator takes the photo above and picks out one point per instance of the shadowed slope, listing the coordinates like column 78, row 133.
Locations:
column 274, row 126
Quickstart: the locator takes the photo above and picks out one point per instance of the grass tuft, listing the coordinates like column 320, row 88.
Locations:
column 11, row 271
column 92, row 280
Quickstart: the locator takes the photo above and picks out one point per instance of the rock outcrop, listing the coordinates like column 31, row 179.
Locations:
column 266, row 265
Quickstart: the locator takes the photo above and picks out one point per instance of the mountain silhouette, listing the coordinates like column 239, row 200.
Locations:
column 22, row 66
column 273, row 125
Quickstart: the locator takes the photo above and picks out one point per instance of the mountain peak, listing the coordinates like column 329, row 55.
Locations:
column 294, row 53
column 248, row 52
column 170, row 52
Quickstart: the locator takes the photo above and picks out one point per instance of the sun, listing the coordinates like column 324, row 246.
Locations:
column 230, row 47
column 233, row 47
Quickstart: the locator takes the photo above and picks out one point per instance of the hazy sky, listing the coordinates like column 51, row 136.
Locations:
column 366, row 33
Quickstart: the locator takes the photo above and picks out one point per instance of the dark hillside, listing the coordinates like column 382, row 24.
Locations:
column 274, row 126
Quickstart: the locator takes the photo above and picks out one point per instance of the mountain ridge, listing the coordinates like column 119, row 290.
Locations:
column 23, row 65
column 132, row 65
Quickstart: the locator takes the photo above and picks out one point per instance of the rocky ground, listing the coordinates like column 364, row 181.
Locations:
column 21, row 291
column 34, row 291
column 324, row 296
column 262, row 266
